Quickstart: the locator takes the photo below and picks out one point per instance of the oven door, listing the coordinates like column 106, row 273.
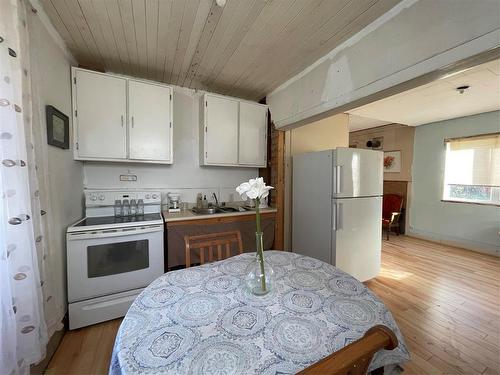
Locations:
column 111, row 261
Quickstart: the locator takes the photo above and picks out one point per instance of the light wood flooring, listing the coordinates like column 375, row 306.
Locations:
column 445, row 300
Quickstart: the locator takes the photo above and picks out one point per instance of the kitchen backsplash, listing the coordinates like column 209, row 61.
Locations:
column 224, row 194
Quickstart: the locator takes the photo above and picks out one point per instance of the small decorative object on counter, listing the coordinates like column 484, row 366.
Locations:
column 259, row 275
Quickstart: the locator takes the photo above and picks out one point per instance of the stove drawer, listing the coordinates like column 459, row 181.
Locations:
column 100, row 309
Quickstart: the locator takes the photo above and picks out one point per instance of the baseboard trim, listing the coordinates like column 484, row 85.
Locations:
column 457, row 244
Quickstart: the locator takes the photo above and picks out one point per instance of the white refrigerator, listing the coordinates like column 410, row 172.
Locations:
column 337, row 209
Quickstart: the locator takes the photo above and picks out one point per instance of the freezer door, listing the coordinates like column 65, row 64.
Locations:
column 311, row 208
column 357, row 236
column 357, row 173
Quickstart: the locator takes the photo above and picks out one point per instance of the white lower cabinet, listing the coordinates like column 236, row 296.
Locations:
column 233, row 132
column 120, row 119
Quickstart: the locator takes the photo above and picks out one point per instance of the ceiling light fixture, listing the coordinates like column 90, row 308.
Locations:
column 220, row 3
column 462, row 89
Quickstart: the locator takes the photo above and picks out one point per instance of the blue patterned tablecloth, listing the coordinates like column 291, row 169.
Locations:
column 202, row 320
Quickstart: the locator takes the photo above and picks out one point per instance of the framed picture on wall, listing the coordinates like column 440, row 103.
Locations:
column 392, row 161
column 57, row 127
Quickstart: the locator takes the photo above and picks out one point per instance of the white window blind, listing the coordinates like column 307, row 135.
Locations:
column 472, row 169
column 473, row 161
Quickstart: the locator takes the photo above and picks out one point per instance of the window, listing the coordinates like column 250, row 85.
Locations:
column 472, row 169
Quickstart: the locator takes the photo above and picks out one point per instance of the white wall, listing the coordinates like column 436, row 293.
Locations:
column 467, row 225
column 412, row 39
column 185, row 175
column 50, row 66
column 320, row 135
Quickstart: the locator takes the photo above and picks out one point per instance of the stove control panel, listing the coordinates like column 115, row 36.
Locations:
column 98, row 198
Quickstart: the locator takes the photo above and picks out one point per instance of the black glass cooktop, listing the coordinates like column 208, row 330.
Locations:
column 105, row 220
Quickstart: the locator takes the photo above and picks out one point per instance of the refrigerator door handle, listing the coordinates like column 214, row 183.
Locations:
column 338, row 219
column 334, row 217
column 338, row 183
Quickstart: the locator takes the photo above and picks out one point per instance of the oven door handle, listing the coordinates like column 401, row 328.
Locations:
column 113, row 233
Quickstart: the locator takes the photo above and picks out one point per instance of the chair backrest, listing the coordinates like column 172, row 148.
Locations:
column 210, row 242
column 355, row 358
column 391, row 203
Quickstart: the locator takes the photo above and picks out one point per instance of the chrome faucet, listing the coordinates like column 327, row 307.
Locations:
column 216, row 200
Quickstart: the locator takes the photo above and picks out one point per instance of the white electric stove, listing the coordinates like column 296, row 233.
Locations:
column 111, row 259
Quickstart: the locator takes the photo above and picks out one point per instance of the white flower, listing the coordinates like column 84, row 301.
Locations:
column 254, row 189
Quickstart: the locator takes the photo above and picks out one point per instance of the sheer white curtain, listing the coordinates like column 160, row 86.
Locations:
column 23, row 332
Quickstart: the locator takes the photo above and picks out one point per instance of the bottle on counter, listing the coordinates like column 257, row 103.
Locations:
column 118, row 208
column 140, row 207
column 199, row 201
column 205, row 202
column 133, row 207
column 125, row 208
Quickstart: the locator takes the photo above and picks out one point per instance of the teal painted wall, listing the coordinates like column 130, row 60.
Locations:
column 467, row 225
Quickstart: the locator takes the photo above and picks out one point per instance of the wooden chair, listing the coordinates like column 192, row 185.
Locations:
column 208, row 242
column 392, row 204
column 355, row 358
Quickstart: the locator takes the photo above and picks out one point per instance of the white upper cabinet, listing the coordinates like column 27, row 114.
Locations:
column 233, row 132
column 150, row 121
column 220, row 131
column 253, row 134
column 120, row 119
column 100, row 115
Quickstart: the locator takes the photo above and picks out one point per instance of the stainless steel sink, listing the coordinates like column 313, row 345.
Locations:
column 213, row 210
column 228, row 209
column 205, row 211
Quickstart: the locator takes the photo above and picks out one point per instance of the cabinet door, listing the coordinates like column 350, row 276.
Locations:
column 150, row 122
column 253, row 134
column 221, row 131
column 101, row 106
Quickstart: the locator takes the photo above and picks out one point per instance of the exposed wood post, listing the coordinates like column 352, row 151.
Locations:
column 274, row 175
column 279, row 231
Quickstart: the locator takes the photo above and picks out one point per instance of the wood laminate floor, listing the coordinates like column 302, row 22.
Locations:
column 445, row 300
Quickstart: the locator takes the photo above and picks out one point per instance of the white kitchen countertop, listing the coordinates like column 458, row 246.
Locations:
column 189, row 215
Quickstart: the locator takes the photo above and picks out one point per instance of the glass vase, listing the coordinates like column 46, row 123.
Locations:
column 259, row 274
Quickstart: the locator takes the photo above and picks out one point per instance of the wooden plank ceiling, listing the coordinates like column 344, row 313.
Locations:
column 246, row 48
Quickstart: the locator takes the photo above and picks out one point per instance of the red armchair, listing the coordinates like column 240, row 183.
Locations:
column 392, row 205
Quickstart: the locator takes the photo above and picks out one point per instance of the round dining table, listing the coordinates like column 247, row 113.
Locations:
column 203, row 320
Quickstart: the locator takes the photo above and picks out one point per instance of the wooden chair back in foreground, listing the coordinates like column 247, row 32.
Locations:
column 210, row 242
column 355, row 358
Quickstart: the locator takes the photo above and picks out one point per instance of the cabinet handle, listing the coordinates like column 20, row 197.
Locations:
column 132, row 121
column 122, row 121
